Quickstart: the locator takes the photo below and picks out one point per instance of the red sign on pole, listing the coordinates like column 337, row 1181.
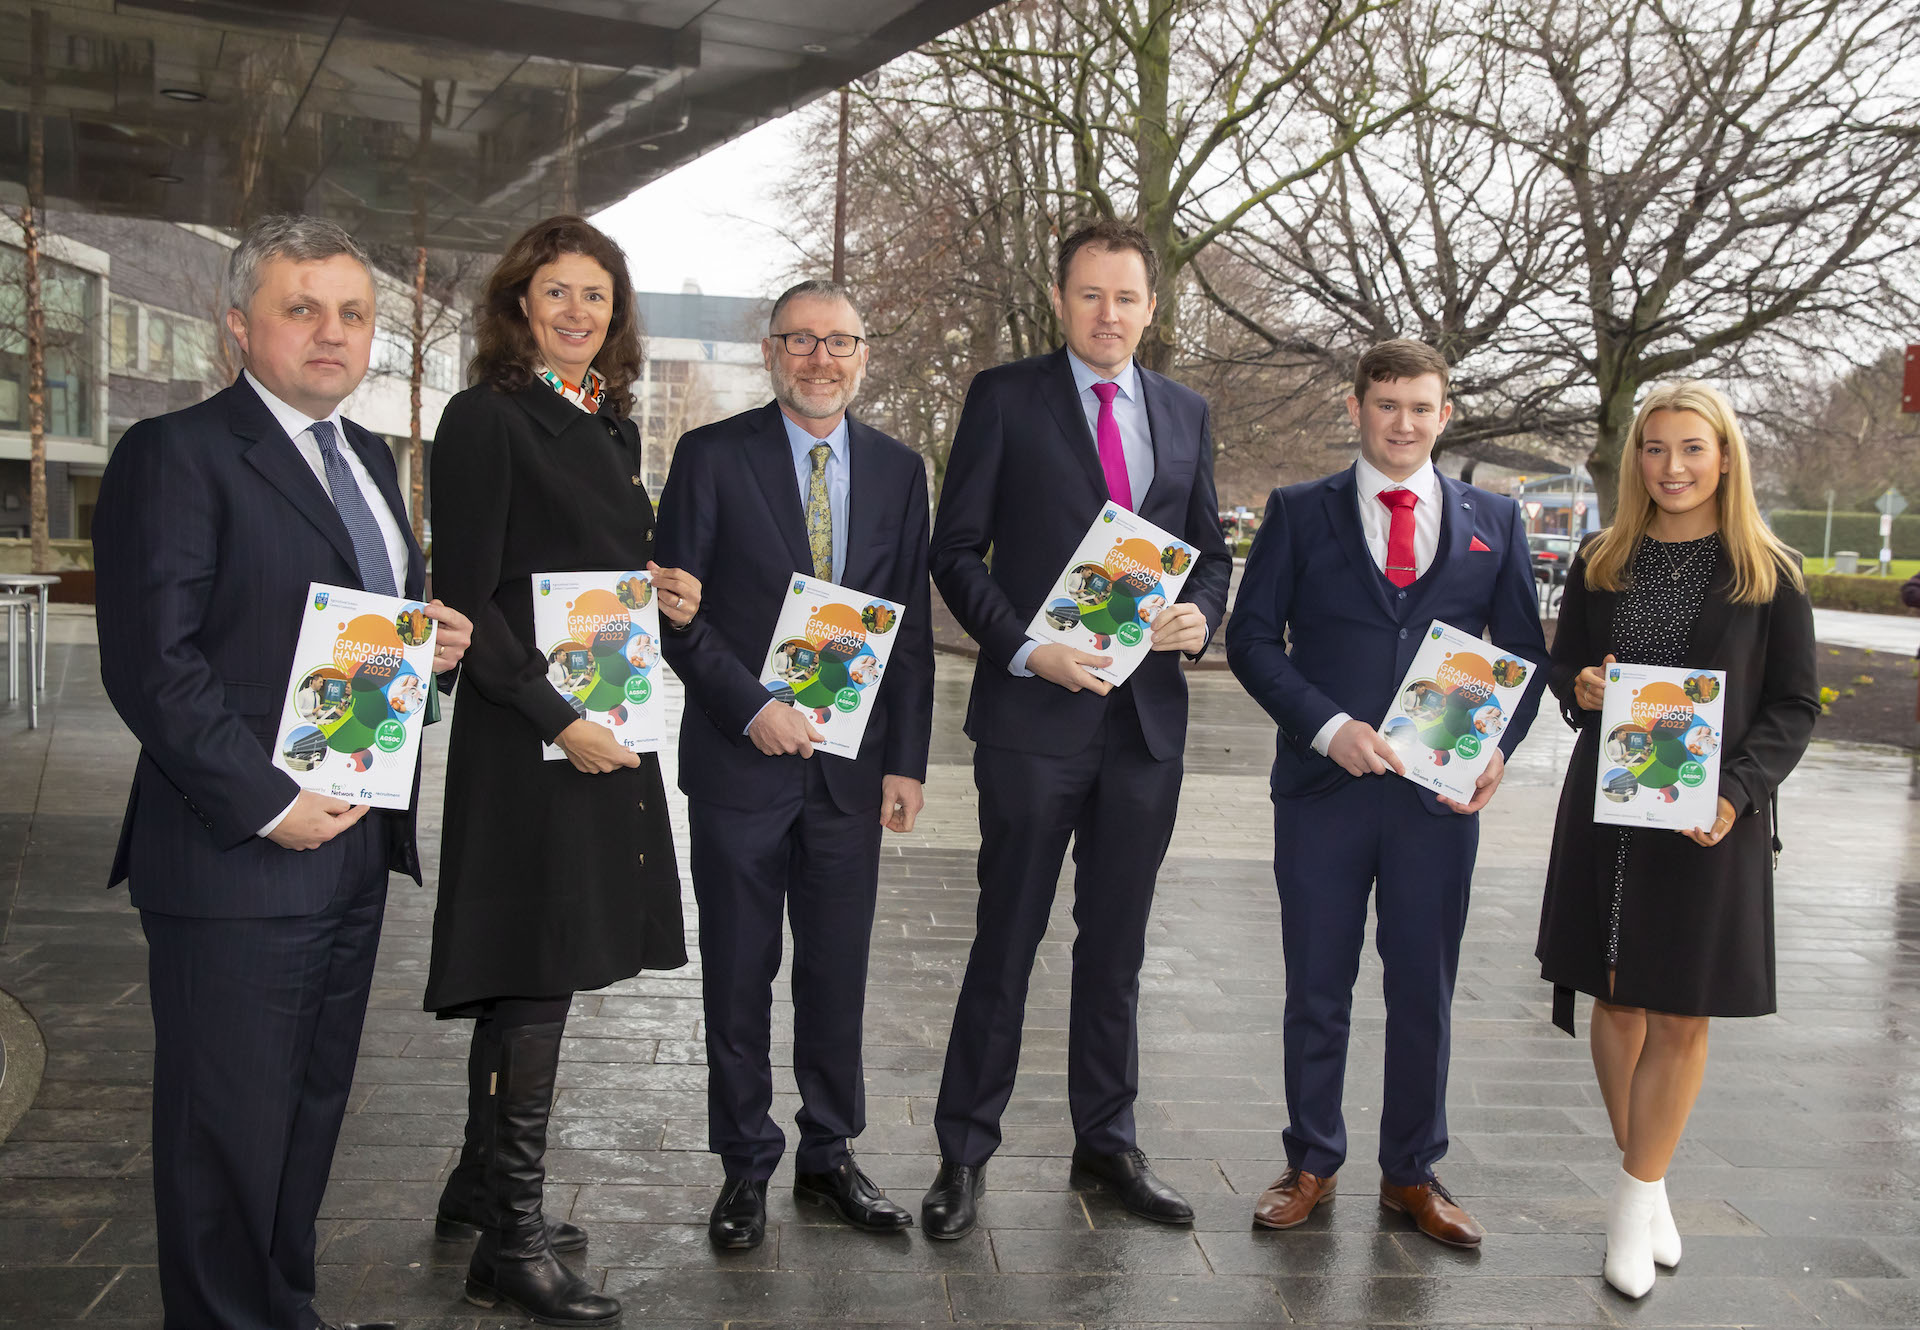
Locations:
column 1910, row 391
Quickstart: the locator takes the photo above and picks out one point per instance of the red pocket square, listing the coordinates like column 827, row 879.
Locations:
column 1478, row 544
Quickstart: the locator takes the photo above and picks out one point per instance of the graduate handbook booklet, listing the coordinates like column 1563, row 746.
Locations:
column 1452, row 705
column 357, row 697
column 1124, row 572
column 830, row 646
column 1660, row 747
column 600, row 633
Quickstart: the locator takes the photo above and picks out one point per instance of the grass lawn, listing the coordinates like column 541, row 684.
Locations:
column 1902, row 568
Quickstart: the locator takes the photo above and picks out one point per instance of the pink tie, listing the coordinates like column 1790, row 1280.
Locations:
column 1113, row 457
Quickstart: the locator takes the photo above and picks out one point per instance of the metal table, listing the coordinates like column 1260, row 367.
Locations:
column 19, row 605
column 34, row 583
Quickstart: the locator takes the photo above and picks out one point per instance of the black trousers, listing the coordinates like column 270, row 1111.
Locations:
column 256, row 1028
column 821, row 867
column 1117, row 803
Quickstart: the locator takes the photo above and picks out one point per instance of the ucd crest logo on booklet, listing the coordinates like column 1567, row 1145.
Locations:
column 546, row 586
column 319, row 600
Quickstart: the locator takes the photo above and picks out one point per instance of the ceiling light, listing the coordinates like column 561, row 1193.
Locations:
column 649, row 147
column 167, row 177
column 814, row 48
column 184, row 94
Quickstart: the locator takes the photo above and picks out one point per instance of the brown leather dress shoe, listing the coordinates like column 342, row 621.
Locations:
column 1293, row 1197
column 1433, row 1211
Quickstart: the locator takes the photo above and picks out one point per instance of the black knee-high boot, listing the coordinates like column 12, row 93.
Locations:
column 513, row 1261
column 462, row 1211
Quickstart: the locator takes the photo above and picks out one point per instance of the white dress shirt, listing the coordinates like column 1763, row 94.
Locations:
column 1136, row 444
column 1376, row 521
column 299, row 428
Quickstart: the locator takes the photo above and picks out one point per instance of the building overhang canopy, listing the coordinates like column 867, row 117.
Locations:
column 456, row 122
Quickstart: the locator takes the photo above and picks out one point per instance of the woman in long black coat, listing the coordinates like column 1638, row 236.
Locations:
column 1666, row 929
column 555, row 876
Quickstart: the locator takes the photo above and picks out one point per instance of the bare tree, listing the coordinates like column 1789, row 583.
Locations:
column 1846, row 434
column 970, row 159
column 1623, row 191
column 31, row 216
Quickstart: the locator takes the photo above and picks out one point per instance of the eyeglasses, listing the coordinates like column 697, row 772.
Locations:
column 840, row 345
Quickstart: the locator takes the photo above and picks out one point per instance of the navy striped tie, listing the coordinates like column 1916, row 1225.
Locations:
column 369, row 547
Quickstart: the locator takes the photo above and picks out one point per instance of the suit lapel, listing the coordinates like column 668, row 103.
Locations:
column 1160, row 426
column 1456, row 532
column 275, row 457
column 864, row 484
column 1343, row 516
column 770, row 457
column 1063, row 399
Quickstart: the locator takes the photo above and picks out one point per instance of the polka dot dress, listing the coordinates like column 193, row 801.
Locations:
column 1655, row 615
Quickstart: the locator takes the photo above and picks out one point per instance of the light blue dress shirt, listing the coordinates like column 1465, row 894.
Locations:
column 1136, row 443
column 1129, row 412
column 803, row 445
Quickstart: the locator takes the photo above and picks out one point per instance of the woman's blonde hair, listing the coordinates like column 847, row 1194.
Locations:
column 1759, row 557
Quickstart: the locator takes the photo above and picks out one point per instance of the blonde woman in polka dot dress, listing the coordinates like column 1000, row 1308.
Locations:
column 1665, row 929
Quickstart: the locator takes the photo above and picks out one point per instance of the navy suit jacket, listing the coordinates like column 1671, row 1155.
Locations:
column 731, row 515
column 209, row 527
column 1310, row 578
column 1024, row 483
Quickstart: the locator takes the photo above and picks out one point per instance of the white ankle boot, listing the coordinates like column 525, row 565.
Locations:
column 1666, row 1238
column 1629, row 1264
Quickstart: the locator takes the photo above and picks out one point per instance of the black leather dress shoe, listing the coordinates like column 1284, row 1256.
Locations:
column 1130, row 1178
column 948, row 1210
column 739, row 1218
column 851, row 1194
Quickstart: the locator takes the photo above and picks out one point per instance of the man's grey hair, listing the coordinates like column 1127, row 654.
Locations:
column 286, row 236
column 819, row 287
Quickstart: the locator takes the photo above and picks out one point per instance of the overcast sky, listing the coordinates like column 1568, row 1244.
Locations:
column 712, row 221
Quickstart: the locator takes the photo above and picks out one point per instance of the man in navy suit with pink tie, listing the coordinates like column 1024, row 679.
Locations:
column 1041, row 447
column 1349, row 570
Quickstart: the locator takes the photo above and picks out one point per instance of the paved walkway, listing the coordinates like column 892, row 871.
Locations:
column 1897, row 633
column 1798, row 1188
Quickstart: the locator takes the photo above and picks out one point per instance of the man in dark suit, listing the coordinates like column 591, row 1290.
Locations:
column 1351, row 569
column 261, row 902
column 795, row 486
column 1041, row 446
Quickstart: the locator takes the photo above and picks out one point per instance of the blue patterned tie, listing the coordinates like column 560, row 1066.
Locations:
column 369, row 547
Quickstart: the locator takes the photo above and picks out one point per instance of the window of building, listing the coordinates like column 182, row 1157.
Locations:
column 124, row 337
column 159, row 358
column 70, row 298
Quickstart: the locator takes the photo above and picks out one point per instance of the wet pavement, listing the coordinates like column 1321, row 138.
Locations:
column 1797, row 1188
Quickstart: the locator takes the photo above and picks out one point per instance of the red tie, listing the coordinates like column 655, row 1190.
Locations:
column 1113, row 456
column 1401, row 569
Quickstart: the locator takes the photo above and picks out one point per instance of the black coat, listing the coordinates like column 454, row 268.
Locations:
column 1696, row 923
column 551, row 880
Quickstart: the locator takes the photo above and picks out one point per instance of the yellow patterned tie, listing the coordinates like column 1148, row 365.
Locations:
column 820, row 515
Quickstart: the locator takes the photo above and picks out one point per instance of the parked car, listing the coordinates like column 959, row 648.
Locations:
column 1551, row 556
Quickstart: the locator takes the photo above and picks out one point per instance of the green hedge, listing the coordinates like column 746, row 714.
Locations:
column 1859, row 532
column 1836, row 591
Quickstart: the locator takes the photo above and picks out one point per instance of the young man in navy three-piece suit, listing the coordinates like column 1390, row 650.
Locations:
column 1350, row 569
